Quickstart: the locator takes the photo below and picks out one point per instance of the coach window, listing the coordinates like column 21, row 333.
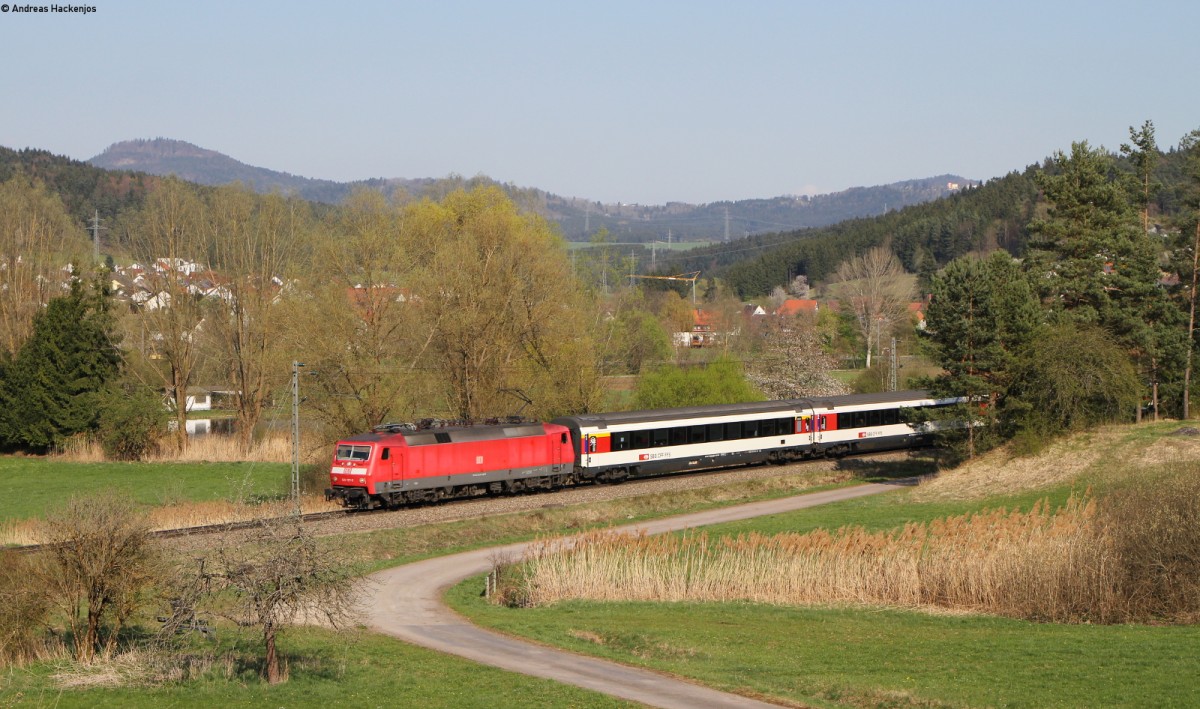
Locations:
column 696, row 434
column 641, row 439
column 766, row 428
column 785, row 426
column 679, row 435
column 750, row 429
column 660, row 437
column 845, row 421
column 733, row 431
column 891, row 417
column 874, row 418
column 620, row 441
column 716, row 431
column 858, row 419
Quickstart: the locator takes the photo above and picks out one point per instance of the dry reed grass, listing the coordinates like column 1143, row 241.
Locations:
column 143, row 667
column 213, row 448
column 179, row 515
column 1040, row 564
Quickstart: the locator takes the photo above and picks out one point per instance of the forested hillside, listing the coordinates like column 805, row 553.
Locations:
column 924, row 237
column 577, row 218
column 83, row 188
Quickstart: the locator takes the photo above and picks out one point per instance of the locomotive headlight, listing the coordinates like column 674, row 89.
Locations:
column 362, row 480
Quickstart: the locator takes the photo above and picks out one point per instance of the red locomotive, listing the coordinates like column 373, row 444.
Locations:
column 395, row 465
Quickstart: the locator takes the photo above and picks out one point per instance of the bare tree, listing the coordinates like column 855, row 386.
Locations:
column 873, row 288
column 254, row 243
column 167, row 236
column 276, row 574
column 101, row 560
column 37, row 239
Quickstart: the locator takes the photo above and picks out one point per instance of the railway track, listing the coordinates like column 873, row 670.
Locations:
column 342, row 521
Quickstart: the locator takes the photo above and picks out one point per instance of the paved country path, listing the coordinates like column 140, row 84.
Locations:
column 407, row 603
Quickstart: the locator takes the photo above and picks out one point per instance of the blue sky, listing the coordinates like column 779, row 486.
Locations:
column 617, row 101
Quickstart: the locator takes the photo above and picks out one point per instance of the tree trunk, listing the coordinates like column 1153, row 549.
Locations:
column 1187, row 372
column 180, row 408
column 272, row 663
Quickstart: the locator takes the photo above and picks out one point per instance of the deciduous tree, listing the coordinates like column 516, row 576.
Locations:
column 254, row 244
column 101, row 561
column 37, row 240
column 275, row 575
column 793, row 362
column 872, row 286
column 167, row 234
column 719, row 382
column 501, row 308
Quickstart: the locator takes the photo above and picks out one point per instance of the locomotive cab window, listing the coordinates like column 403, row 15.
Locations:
column 351, row 452
column 386, row 454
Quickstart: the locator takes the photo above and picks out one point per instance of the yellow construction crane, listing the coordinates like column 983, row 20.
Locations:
column 691, row 277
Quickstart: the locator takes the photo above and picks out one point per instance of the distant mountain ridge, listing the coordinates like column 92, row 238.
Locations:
column 578, row 218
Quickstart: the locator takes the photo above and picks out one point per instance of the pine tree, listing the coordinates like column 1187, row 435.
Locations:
column 54, row 386
column 1096, row 264
column 979, row 318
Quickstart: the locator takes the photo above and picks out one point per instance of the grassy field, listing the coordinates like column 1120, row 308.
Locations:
column 819, row 656
column 878, row 657
column 31, row 485
column 824, row 656
column 357, row 669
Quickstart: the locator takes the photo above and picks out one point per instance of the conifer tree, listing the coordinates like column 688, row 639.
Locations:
column 1096, row 265
column 54, row 386
column 979, row 318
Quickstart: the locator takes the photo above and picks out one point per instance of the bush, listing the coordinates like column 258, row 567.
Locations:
column 132, row 421
column 1072, row 377
column 719, row 382
column 24, row 609
column 101, row 559
column 1154, row 527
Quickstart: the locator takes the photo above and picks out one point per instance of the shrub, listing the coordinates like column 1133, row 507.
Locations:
column 131, row 423
column 719, row 382
column 24, row 609
column 101, row 560
column 1154, row 527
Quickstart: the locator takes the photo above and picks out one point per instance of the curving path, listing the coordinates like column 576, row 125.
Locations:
column 406, row 603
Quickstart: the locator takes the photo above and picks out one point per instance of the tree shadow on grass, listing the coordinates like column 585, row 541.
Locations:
column 918, row 464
